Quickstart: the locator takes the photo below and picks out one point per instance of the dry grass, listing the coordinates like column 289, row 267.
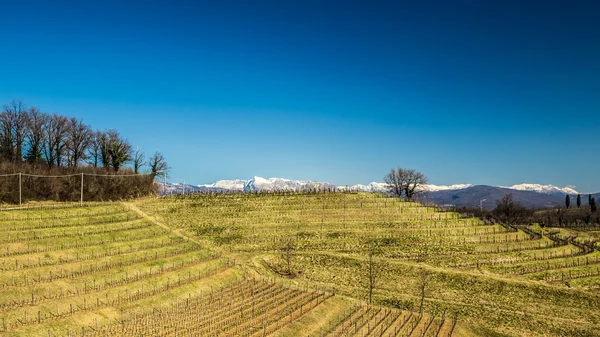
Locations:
column 494, row 280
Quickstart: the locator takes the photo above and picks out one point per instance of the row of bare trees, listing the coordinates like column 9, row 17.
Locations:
column 511, row 212
column 51, row 140
column 34, row 142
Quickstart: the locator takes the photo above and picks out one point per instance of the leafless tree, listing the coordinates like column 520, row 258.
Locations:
column 405, row 182
column 372, row 251
column 509, row 210
column 7, row 150
column 55, row 132
column 17, row 112
column 13, row 121
column 158, row 165
column 94, row 154
column 139, row 160
column 288, row 252
column 79, row 139
column 34, row 136
column 395, row 182
column 561, row 217
column 422, row 284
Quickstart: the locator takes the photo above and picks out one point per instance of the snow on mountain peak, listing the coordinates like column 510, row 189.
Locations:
column 265, row 184
column 274, row 184
column 435, row 188
column 383, row 187
column 236, row 184
column 546, row 189
column 279, row 184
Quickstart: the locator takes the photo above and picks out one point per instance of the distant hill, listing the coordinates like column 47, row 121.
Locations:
column 470, row 197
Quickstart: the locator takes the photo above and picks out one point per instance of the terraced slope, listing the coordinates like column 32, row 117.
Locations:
column 496, row 279
column 217, row 265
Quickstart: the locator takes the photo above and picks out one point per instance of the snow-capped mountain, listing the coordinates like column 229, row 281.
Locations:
column 545, row 189
column 281, row 184
column 435, row 188
column 177, row 188
column 235, row 185
column 382, row 187
column 372, row 187
column 266, row 184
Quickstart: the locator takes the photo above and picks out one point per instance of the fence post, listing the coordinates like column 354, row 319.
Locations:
column 19, row 188
column 81, row 198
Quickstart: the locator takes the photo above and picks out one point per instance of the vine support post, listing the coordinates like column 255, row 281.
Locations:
column 81, row 196
column 19, row 188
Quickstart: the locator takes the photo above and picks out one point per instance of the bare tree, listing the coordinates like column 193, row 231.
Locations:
column 94, row 154
column 139, row 160
column 7, row 150
column 55, row 132
column 79, row 139
column 561, row 217
column 509, row 210
column 394, row 182
column 372, row 251
column 405, row 182
column 16, row 112
column 158, row 165
column 288, row 252
column 34, row 136
column 422, row 283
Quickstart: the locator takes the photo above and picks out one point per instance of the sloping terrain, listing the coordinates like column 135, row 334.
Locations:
column 494, row 279
column 289, row 264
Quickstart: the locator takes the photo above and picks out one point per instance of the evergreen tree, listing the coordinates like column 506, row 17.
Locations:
column 589, row 199
column 568, row 201
column 593, row 205
column 578, row 200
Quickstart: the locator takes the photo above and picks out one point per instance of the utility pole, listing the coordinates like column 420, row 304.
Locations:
column 184, row 187
column 81, row 198
column 19, row 188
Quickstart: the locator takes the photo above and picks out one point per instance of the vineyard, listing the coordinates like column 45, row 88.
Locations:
column 473, row 278
column 289, row 264
column 77, row 270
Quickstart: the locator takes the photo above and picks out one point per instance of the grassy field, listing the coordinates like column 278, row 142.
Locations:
column 212, row 265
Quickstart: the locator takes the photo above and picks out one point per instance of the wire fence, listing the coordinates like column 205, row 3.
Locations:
column 81, row 176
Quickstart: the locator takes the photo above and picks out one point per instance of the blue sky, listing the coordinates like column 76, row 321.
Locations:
column 474, row 92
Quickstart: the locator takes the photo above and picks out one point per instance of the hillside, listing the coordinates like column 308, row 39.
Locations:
column 470, row 197
column 496, row 280
column 288, row 264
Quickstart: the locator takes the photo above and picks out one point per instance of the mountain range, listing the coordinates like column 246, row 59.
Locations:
column 459, row 195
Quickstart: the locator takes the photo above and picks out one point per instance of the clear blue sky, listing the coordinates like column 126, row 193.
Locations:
column 482, row 92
